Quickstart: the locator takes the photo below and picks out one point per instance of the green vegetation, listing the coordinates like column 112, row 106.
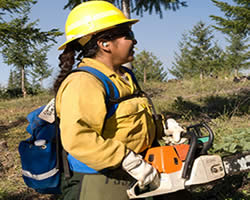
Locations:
column 235, row 26
column 200, row 56
column 236, row 18
column 237, row 53
column 223, row 104
column 139, row 7
column 23, row 44
column 147, row 67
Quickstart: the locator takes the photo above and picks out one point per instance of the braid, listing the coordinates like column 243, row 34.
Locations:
column 67, row 60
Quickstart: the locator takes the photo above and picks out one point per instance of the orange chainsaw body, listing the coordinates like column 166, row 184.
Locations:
column 167, row 159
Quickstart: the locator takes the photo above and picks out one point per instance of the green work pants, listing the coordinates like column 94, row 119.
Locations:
column 109, row 186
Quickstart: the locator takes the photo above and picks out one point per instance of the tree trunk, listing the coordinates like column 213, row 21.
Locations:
column 126, row 8
column 41, row 84
column 23, row 82
column 236, row 73
column 201, row 75
column 145, row 75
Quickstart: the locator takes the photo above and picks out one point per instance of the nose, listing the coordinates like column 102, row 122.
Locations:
column 134, row 41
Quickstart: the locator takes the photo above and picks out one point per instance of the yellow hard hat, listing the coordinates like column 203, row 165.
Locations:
column 92, row 17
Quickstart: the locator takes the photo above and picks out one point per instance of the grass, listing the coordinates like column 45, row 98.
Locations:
column 223, row 104
column 12, row 128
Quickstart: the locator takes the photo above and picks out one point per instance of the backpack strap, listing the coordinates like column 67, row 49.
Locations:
column 140, row 92
column 111, row 93
column 110, row 88
column 112, row 99
column 137, row 93
column 133, row 77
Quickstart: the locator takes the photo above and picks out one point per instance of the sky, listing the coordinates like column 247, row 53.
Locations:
column 154, row 34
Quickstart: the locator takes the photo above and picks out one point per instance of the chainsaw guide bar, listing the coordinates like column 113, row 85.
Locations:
column 236, row 164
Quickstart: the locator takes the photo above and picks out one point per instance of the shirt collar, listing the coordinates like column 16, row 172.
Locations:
column 97, row 65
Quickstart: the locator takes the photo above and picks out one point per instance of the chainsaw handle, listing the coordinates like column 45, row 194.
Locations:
column 197, row 131
column 208, row 144
column 190, row 155
column 194, row 134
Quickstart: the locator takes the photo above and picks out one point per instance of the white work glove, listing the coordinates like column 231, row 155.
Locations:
column 173, row 131
column 142, row 171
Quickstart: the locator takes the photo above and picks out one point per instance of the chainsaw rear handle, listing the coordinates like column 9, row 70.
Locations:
column 197, row 131
column 208, row 144
column 190, row 155
column 194, row 133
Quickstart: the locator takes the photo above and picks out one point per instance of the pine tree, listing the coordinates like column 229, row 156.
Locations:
column 14, row 5
column 217, row 64
column 138, row 6
column 236, row 19
column 235, row 25
column 200, row 44
column 8, row 7
column 183, row 64
column 147, row 67
column 197, row 53
column 40, row 69
column 237, row 54
column 11, row 81
column 20, row 38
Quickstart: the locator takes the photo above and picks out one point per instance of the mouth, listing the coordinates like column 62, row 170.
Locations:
column 132, row 51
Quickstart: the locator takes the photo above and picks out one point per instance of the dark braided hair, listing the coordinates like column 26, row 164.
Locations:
column 89, row 50
column 67, row 60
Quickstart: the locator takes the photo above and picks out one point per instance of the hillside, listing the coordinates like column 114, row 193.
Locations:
column 223, row 104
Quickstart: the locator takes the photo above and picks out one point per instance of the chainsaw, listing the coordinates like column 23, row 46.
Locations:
column 184, row 165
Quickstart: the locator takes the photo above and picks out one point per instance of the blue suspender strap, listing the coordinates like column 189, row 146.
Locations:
column 107, row 83
column 140, row 90
column 76, row 165
column 133, row 76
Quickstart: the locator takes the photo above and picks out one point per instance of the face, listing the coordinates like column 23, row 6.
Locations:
column 122, row 48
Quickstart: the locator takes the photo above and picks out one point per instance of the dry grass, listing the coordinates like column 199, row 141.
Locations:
column 12, row 128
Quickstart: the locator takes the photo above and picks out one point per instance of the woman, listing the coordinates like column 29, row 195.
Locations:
column 108, row 148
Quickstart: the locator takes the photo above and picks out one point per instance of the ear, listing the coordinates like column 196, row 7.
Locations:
column 104, row 45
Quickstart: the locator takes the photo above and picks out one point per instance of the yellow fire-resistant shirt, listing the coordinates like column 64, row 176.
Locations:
column 81, row 107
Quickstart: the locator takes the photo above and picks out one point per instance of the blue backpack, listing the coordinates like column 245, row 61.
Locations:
column 41, row 153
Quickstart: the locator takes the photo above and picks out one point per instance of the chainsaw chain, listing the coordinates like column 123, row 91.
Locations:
column 237, row 163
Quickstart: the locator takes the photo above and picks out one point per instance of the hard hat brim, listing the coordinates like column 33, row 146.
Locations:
column 129, row 21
